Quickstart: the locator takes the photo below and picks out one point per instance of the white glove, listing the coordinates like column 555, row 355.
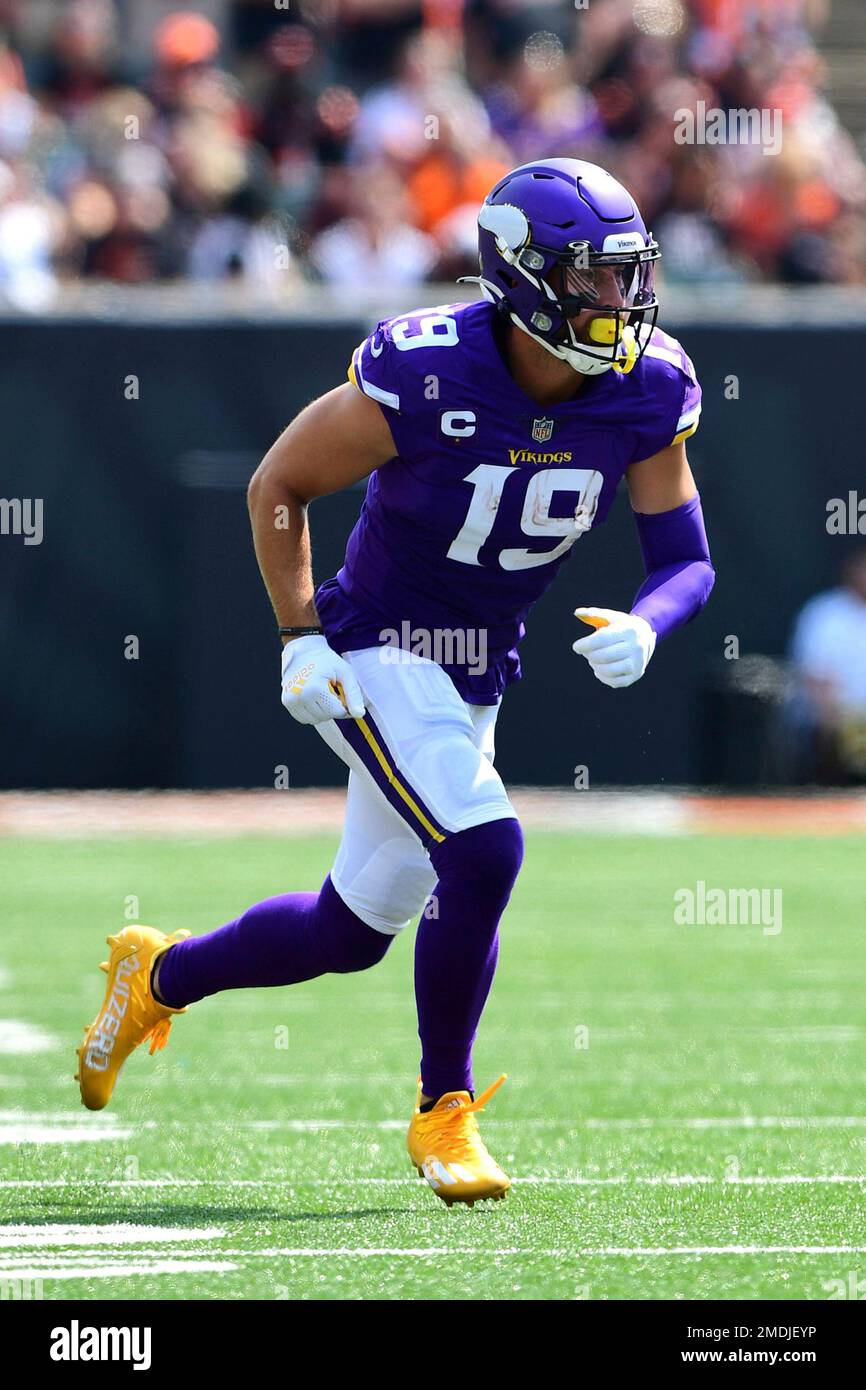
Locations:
column 317, row 683
column 620, row 648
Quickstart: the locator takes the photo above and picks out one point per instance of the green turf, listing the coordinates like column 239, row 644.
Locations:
column 685, row 1024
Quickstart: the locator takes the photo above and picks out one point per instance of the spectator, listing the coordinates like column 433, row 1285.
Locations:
column 377, row 241
column 828, row 652
column 82, row 57
column 29, row 229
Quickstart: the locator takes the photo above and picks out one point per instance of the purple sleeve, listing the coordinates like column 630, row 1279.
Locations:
column 679, row 572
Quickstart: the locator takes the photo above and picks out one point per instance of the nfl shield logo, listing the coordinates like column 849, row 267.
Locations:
column 542, row 430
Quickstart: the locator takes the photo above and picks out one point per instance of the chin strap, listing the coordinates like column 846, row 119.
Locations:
column 624, row 364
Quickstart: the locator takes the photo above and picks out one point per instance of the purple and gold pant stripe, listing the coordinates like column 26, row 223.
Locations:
column 364, row 736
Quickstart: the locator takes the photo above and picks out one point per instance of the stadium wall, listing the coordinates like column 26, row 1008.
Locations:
column 145, row 538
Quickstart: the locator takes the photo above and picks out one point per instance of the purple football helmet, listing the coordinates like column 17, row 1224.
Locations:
column 558, row 236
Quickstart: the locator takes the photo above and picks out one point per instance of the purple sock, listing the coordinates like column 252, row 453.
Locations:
column 280, row 941
column 456, row 951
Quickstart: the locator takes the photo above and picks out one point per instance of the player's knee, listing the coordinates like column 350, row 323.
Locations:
column 346, row 943
column 485, row 858
column 365, row 948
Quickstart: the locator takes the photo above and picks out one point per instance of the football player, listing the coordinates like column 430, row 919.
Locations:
column 494, row 434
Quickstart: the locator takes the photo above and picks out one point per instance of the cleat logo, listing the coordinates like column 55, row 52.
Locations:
column 462, row 1174
column 107, row 1025
column 437, row 1174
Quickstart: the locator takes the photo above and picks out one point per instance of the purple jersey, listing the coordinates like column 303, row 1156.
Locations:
column 487, row 493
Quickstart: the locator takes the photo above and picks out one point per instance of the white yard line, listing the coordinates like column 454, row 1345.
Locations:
column 47, row 1117
column 118, row 1271
column 92, row 1264
column 71, row 1251
column 594, row 1252
column 651, row 1251
column 9, row 1260
column 578, row 1122
column 46, row 1134
column 26, row 1127
column 95, row 1269
column 293, row 1181
column 21, row 1127
column 19, row 1039
column 727, row 1122
column 117, row 1233
column 314, row 1125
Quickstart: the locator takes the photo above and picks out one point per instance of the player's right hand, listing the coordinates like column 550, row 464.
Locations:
column 318, row 684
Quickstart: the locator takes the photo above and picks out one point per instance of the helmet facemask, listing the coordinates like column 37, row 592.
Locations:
column 616, row 287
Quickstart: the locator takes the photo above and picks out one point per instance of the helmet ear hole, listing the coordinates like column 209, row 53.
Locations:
column 509, row 281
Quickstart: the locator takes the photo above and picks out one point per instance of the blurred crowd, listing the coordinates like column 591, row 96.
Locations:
column 351, row 141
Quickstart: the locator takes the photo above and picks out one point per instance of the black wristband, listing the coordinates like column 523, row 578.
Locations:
column 300, row 631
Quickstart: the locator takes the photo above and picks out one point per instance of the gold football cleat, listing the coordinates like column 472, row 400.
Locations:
column 129, row 1014
column 447, row 1149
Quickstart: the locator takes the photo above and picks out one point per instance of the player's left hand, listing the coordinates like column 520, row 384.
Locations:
column 620, row 648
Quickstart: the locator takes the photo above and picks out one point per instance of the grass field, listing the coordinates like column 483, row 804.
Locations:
column 684, row 1114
